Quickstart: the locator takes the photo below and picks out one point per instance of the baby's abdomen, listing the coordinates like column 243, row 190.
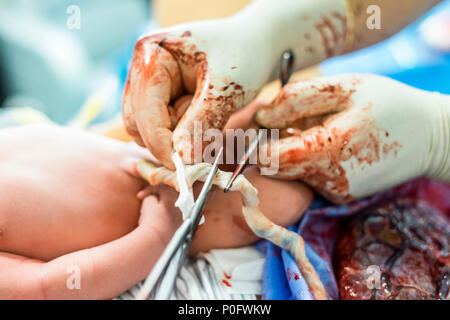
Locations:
column 44, row 218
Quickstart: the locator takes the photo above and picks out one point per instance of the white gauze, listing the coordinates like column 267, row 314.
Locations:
column 185, row 201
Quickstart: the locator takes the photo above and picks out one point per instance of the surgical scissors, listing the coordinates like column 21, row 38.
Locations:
column 168, row 266
column 287, row 65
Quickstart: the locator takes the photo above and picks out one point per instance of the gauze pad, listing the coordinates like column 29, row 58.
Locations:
column 185, row 201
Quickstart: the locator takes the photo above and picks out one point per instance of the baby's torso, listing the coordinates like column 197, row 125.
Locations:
column 59, row 203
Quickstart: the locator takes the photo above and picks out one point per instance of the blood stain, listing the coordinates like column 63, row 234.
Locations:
column 225, row 282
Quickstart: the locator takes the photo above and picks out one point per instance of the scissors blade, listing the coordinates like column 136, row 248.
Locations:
column 243, row 162
column 168, row 281
column 162, row 263
column 287, row 65
column 199, row 205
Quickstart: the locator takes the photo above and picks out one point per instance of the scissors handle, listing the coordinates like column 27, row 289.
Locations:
column 176, row 251
column 287, row 65
column 161, row 265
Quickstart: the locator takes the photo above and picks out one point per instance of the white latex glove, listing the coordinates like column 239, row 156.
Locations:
column 212, row 68
column 354, row 135
column 205, row 71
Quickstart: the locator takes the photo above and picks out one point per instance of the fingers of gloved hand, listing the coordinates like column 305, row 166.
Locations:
column 316, row 157
column 296, row 153
column 304, row 99
column 179, row 108
column 149, row 52
column 242, row 119
column 150, row 91
column 210, row 108
column 336, row 157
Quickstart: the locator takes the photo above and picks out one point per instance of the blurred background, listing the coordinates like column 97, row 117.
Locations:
column 65, row 61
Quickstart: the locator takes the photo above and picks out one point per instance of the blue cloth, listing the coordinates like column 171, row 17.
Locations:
column 282, row 277
column 319, row 227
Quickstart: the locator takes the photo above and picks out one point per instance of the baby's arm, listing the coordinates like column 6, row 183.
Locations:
column 104, row 271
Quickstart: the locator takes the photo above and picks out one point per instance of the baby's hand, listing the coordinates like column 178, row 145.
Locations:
column 158, row 212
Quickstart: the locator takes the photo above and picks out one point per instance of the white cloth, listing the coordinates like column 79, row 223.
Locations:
column 239, row 270
column 229, row 274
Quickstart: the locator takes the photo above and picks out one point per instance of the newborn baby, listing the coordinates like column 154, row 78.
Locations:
column 69, row 205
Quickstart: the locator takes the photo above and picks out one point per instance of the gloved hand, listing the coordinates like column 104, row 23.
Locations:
column 205, row 71
column 354, row 135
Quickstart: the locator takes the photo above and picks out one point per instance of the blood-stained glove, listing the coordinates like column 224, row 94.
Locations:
column 205, row 71
column 202, row 72
column 354, row 135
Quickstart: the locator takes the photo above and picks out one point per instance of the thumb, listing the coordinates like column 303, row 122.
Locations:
column 153, row 80
column 304, row 99
column 311, row 157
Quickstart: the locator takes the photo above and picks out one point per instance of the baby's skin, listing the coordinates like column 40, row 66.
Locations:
column 69, row 206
